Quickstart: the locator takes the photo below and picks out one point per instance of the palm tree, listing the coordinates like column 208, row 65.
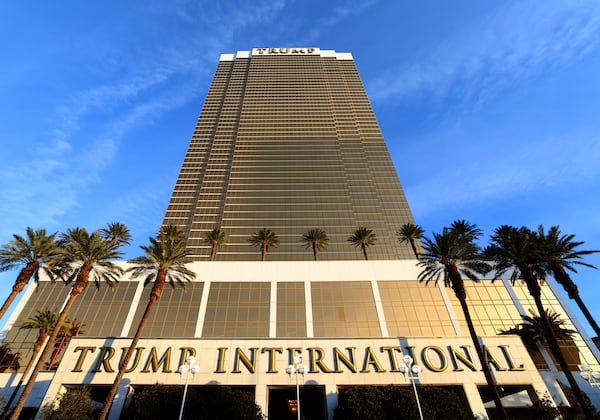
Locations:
column 117, row 233
column 364, row 238
column 215, row 238
column 8, row 359
column 316, row 239
column 35, row 251
column 173, row 233
column 44, row 320
column 531, row 330
column 164, row 262
column 560, row 254
column 410, row 233
column 86, row 255
column 519, row 250
column 264, row 238
column 72, row 328
column 450, row 255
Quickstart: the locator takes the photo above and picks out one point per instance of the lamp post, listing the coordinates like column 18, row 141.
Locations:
column 189, row 366
column 592, row 377
column 413, row 374
column 296, row 368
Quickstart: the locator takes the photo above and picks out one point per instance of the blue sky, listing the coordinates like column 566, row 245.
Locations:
column 491, row 110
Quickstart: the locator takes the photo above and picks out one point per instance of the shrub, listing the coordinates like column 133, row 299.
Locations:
column 75, row 404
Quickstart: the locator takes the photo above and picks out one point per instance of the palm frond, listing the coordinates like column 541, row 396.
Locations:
column 316, row 238
column 363, row 237
column 453, row 248
column 166, row 253
column 116, row 233
column 516, row 251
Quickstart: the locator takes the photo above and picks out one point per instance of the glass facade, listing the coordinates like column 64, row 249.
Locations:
column 490, row 305
column 288, row 143
column 415, row 309
column 291, row 310
column 575, row 349
column 164, row 320
column 237, row 309
column 337, row 309
column 102, row 311
column 344, row 309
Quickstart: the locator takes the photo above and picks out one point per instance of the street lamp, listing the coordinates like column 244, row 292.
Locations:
column 296, row 368
column 189, row 366
column 592, row 377
column 413, row 374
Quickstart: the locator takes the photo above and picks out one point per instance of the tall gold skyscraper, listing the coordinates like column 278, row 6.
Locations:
column 287, row 140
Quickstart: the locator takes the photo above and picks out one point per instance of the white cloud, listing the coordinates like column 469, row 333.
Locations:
column 336, row 15
column 488, row 54
column 89, row 125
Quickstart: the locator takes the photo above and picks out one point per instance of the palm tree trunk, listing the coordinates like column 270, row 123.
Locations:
column 154, row 297
column 570, row 287
column 39, row 342
column 414, row 248
column 555, row 349
column 535, row 291
column 364, row 250
column 588, row 316
column 459, row 291
column 213, row 251
column 123, row 365
column 314, row 247
column 9, row 300
column 76, row 291
column 263, row 252
column 57, row 349
column 22, row 280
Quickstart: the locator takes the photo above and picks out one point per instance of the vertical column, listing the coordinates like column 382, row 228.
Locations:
column 379, row 308
column 475, row 401
column 131, row 314
column 450, row 308
column 332, row 399
column 202, row 309
column 119, row 401
column 273, row 310
column 308, row 309
column 260, row 396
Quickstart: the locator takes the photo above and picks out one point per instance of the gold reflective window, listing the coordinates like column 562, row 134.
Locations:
column 344, row 309
column 237, row 309
column 412, row 308
column 291, row 310
column 174, row 315
column 491, row 308
column 574, row 349
column 46, row 295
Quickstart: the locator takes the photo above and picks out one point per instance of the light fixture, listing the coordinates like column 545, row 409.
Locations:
column 297, row 368
column 413, row 371
column 189, row 367
column 589, row 375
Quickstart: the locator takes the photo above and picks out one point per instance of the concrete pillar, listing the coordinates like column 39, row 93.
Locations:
column 331, row 398
column 119, row 401
column 475, row 401
column 261, row 397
